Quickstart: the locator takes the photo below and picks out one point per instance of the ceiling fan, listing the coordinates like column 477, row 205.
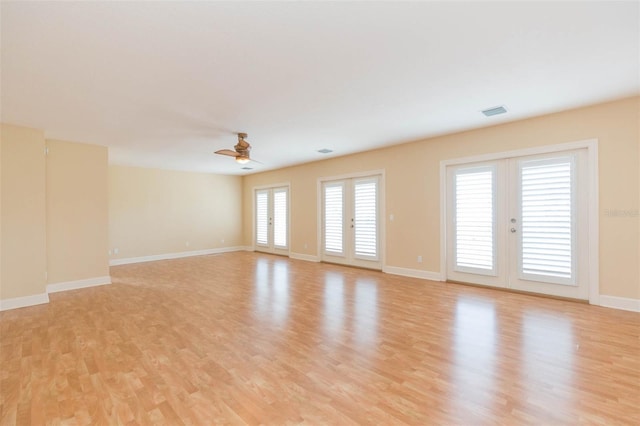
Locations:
column 241, row 152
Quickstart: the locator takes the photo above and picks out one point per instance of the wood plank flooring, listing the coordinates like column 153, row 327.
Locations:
column 247, row 338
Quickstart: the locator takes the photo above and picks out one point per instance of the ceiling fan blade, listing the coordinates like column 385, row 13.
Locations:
column 227, row 152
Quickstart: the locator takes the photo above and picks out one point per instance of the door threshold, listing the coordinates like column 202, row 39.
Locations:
column 350, row 266
column 274, row 254
column 515, row 291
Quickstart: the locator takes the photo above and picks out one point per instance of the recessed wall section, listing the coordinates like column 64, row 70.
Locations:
column 155, row 212
column 77, row 211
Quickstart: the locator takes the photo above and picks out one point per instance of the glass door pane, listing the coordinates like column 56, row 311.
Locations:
column 475, row 220
column 262, row 218
column 334, row 218
column 546, row 249
column 366, row 218
column 280, row 217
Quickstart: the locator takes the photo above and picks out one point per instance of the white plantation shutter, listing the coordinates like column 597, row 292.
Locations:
column 547, row 219
column 280, row 217
column 365, row 220
column 262, row 217
column 474, row 191
column 333, row 217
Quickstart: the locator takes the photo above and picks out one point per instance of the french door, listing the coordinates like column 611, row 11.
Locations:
column 351, row 222
column 520, row 223
column 272, row 220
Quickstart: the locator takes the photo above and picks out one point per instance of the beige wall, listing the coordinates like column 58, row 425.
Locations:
column 23, row 212
column 1, row 213
column 154, row 212
column 54, row 212
column 413, row 187
column 77, row 211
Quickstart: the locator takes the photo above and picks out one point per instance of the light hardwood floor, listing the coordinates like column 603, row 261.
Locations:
column 251, row 338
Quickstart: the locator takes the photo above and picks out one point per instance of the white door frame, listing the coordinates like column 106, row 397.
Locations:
column 381, row 202
column 254, row 190
column 591, row 145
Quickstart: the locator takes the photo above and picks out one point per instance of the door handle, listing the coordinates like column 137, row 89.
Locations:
column 513, row 230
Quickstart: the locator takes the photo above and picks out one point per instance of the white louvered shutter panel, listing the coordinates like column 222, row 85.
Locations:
column 366, row 218
column 262, row 218
column 333, row 218
column 280, row 207
column 475, row 245
column 546, row 206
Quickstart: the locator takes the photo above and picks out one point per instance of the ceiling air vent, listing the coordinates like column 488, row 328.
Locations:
column 325, row 151
column 247, row 168
column 494, row 111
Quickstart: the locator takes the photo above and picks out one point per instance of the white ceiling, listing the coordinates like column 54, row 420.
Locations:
column 165, row 84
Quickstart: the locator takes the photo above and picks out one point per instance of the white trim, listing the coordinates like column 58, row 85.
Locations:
column 543, row 149
column 306, row 257
column 352, row 175
column 591, row 145
column 23, row 302
column 266, row 248
column 74, row 285
column 154, row 257
column 624, row 303
column 594, row 221
column 443, row 220
column 319, row 218
column 271, row 185
column 413, row 273
column 382, row 202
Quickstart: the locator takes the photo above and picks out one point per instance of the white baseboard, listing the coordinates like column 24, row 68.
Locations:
column 39, row 299
column 74, row 285
column 624, row 303
column 413, row 273
column 23, row 302
column 307, row 257
column 153, row 258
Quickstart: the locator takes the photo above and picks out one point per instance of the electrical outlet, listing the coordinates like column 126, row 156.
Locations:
column 222, row 241
column 419, row 259
column 116, row 250
column 186, row 244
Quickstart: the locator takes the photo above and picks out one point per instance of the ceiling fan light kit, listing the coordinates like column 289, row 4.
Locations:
column 242, row 149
